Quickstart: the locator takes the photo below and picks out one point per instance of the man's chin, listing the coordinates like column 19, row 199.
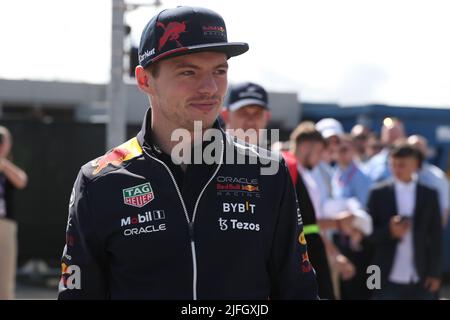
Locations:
column 200, row 124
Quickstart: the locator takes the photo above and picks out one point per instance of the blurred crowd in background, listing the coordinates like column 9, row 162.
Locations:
column 365, row 199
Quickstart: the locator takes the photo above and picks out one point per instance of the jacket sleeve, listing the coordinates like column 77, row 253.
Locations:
column 381, row 233
column 83, row 276
column 292, row 275
column 435, row 233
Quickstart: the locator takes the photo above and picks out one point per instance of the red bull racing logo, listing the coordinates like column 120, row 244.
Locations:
column 237, row 186
column 216, row 31
column 250, row 188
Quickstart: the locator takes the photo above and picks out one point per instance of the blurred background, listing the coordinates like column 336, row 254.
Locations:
column 67, row 91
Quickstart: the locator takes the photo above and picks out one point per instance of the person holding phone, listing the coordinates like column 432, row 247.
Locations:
column 407, row 234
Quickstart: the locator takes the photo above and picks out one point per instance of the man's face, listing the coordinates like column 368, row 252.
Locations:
column 189, row 88
column 403, row 168
column 329, row 153
column 309, row 153
column 249, row 117
column 392, row 131
column 345, row 153
column 360, row 136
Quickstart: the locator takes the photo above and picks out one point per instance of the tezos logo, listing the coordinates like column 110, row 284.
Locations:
column 225, row 224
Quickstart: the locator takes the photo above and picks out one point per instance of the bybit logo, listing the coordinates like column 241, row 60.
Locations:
column 245, row 207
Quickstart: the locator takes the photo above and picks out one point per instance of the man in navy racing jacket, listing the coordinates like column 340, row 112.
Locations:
column 143, row 226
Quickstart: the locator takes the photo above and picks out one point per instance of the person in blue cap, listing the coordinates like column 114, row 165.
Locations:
column 247, row 112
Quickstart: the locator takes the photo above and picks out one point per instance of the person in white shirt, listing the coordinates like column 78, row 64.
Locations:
column 350, row 188
column 407, row 234
column 331, row 130
column 307, row 145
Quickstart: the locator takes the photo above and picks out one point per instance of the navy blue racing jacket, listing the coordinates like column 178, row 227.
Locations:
column 137, row 229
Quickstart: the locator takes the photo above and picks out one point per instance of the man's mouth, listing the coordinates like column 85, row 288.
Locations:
column 204, row 106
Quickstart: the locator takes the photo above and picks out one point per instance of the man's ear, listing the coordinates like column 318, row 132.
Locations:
column 225, row 114
column 298, row 151
column 267, row 115
column 144, row 80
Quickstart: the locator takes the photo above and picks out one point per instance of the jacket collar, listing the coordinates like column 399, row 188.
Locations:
column 144, row 136
column 147, row 142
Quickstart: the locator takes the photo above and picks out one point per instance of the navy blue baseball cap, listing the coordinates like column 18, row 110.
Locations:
column 245, row 94
column 184, row 30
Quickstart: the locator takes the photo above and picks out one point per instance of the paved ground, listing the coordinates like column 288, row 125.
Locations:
column 48, row 290
column 37, row 289
column 27, row 292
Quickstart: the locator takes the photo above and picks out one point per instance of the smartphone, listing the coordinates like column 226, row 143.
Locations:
column 405, row 219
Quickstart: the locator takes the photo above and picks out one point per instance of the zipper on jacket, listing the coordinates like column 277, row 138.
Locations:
column 191, row 223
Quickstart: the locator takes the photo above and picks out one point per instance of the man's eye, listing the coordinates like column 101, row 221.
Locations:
column 187, row 73
column 221, row 71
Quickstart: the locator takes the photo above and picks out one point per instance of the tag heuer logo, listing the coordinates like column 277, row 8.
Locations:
column 138, row 196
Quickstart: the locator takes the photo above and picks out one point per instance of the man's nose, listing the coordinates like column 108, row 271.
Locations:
column 250, row 121
column 208, row 85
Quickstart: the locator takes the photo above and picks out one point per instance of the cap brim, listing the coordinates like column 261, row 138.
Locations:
column 247, row 102
column 231, row 49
